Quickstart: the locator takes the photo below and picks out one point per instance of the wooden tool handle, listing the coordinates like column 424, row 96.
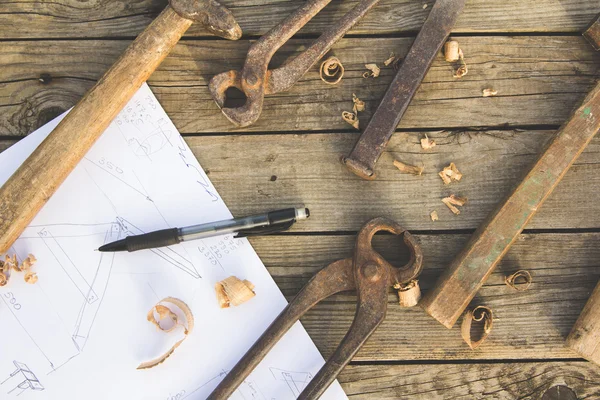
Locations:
column 470, row 269
column 585, row 335
column 30, row 187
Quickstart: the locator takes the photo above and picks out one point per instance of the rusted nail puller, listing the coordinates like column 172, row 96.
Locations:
column 470, row 269
column 255, row 80
column 401, row 91
column 367, row 272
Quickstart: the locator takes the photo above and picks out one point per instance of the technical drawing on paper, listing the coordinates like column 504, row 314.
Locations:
column 22, row 379
column 83, row 282
column 296, row 381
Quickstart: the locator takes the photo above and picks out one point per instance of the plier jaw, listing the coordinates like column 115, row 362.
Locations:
column 367, row 272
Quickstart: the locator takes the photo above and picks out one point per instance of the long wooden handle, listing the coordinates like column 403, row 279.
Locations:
column 30, row 187
column 470, row 269
column 585, row 335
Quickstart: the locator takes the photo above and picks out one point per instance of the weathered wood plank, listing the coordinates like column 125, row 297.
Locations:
column 118, row 18
column 257, row 172
column 529, row 325
column 503, row 381
column 538, row 79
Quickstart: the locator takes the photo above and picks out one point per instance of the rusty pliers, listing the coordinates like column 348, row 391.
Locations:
column 367, row 272
column 255, row 79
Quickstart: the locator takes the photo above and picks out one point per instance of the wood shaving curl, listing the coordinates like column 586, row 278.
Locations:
column 10, row 263
column 521, row 275
column 373, row 71
column 163, row 311
column 427, row 143
column 331, row 71
column 489, row 92
column 31, row 277
column 434, row 216
column 359, row 105
column 408, row 169
column 409, row 293
column 454, row 53
column 351, row 118
column 450, row 174
column 452, row 201
column 233, row 292
column 479, row 314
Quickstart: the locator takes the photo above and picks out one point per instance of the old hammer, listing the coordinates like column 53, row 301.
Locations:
column 470, row 269
column 30, row 187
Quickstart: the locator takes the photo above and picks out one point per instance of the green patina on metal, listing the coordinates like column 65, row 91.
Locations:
column 587, row 111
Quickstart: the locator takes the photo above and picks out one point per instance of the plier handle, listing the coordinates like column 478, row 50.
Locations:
column 367, row 272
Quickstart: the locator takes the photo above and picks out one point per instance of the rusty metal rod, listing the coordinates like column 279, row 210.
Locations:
column 470, row 269
column 401, row 91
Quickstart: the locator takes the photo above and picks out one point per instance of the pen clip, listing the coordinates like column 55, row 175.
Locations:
column 265, row 230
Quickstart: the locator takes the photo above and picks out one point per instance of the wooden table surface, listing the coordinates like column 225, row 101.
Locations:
column 531, row 52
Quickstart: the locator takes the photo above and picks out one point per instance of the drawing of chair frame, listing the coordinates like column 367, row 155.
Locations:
column 30, row 381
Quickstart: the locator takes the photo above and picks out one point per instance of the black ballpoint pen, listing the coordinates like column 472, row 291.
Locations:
column 261, row 224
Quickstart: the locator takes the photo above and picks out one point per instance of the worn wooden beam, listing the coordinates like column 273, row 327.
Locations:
column 503, row 381
column 256, row 172
column 538, row 79
column 118, row 18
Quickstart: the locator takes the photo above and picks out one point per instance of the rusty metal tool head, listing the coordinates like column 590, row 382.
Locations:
column 30, row 187
column 255, row 80
column 216, row 18
column 401, row 91
column 367, row 272
column 474, row 264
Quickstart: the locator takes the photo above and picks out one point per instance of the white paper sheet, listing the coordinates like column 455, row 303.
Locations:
column 81, row 330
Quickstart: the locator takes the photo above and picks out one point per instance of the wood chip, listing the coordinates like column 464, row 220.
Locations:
column 489, row 92
column 479, row 314
column 11, row 263
column 233, row 292
column 359, row 105
column 462, row 70
column 331, row 71
column 351, row 118
column 166, row 309
column 450, row 174
column 427, row 143
column 520, row 280
column 392, row 59
column 451, row 51
column 434, row 216
column 425, row 6
column 409, row 293
column 30, row 277
column 408, row 169
column 373, row 71
column 452, row 201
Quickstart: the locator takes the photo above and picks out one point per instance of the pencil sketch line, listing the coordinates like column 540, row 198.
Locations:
column 119, row 179
column 90, row 291
column 27, row 332
column 221, row 375
column 101, row 191
column 61, row 266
